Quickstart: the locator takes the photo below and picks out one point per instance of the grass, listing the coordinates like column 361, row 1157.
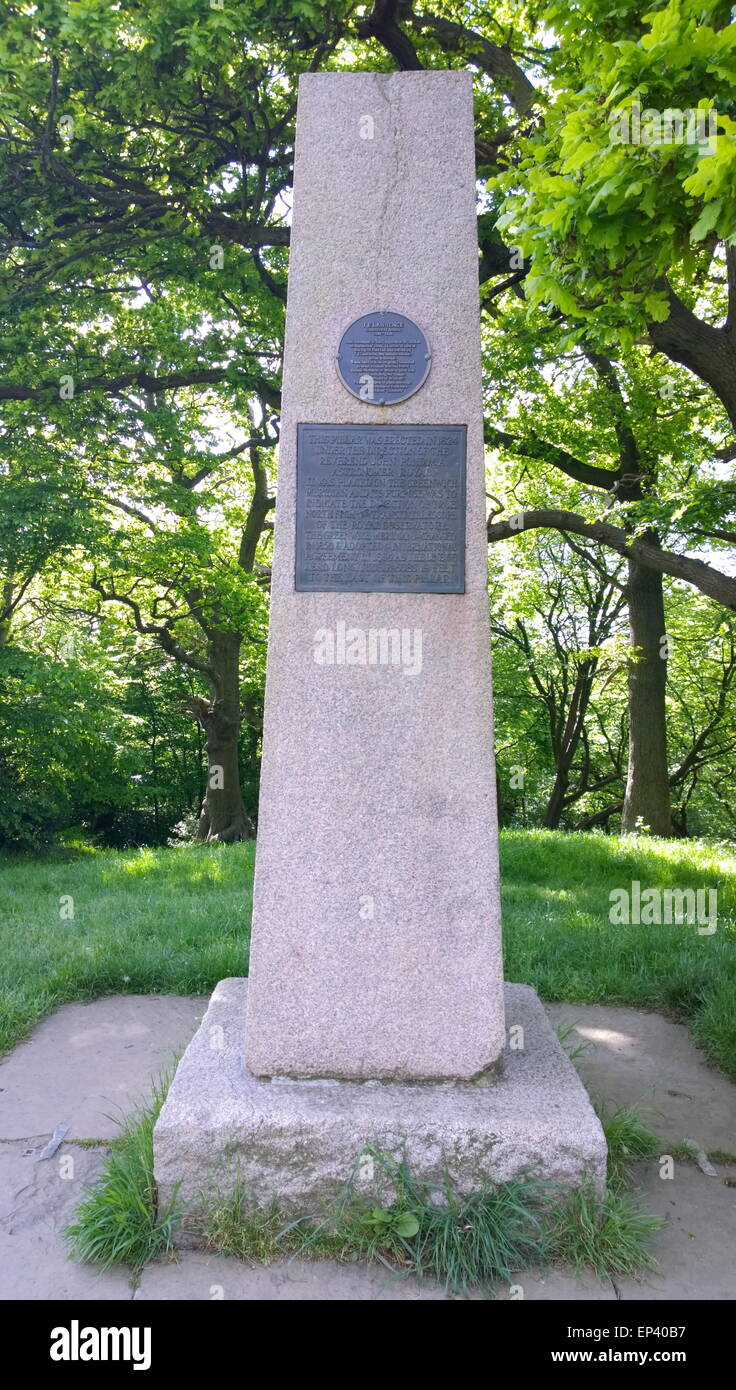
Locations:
column 426, row 1230
column 609, row 1235
column 629, row 1138
column 118, row 1222
column 558, row 937
column 145, row 921
column 721, row 1156
column 176, row 921
column 463, row 1242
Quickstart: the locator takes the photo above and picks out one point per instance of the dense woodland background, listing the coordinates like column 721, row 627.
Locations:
column 145, row 168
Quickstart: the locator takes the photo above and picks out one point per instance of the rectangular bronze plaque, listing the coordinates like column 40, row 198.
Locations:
column 381, row 508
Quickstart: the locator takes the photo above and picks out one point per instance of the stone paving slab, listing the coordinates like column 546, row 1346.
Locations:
column 200, row 1277
column 557, row 1285
column 636, row 1057
column 37, row 1203
column 88, row 1063
column 696, row 1248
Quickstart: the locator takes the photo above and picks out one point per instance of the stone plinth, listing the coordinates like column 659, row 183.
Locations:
column 376, row 924
column 299, row 1141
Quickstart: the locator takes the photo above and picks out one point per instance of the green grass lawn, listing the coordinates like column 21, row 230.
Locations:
column 176, row 920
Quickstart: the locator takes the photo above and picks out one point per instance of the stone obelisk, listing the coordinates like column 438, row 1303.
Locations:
column 376, row 926
column 374, row 1012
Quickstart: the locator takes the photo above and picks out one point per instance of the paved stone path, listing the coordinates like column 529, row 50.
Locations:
column 88, row 1063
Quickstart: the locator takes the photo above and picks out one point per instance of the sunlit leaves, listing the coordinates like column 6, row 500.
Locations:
column 635, row 162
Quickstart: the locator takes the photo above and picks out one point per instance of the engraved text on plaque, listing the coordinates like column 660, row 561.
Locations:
column 381, row 508
column 383, row 358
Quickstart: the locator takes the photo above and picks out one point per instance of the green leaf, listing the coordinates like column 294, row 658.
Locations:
column 707, row 220
column 585, row 151
column 657, row 307
column 406, row 1224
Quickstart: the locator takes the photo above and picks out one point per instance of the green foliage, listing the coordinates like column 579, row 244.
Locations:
column 605, row 206
column 463, row 1242
column 387, row 1226
column 136, row 370
column 630, row 1140
column 145, row 189
column 65, row 753
column 232, row 1225
column 609, row 1235
column 560, row 402
column 629, row 1137
column 94, row 734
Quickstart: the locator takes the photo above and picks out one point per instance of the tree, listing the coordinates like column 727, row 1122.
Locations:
column 578, row 253
column 68, row 747
column 559, row 619
column 561, row 715
column 146, row 168
column 139, row 146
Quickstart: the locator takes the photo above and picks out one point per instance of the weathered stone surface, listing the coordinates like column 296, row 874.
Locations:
column 38, row 1200
column 636, row 1057
column 299, row 1140
column 376, row 932
column 88, row 1065
column 198, row 1277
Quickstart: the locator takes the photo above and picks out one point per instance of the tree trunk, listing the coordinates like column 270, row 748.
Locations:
column 565, row 754
column 647, row 797
column 555, row 805
column 223, row 816
column 707, row 351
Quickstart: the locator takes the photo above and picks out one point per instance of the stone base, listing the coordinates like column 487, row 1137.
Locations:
column 299, row 1141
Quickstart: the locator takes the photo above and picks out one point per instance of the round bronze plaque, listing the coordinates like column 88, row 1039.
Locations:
column 383, row 358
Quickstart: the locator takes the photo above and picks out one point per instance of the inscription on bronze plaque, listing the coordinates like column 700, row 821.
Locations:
column 381, row 508
column 383, row 358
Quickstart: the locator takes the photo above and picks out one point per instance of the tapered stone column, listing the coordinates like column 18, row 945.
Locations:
column 376, row 926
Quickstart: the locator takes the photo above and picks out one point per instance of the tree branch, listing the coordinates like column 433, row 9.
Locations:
column 708, row 352
column 381, row 24
column 496, row 61
column 630, row 471
column 113, row 386
column 721, row 587
column 533, row 448
column 159, row 631
column 260, row 506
